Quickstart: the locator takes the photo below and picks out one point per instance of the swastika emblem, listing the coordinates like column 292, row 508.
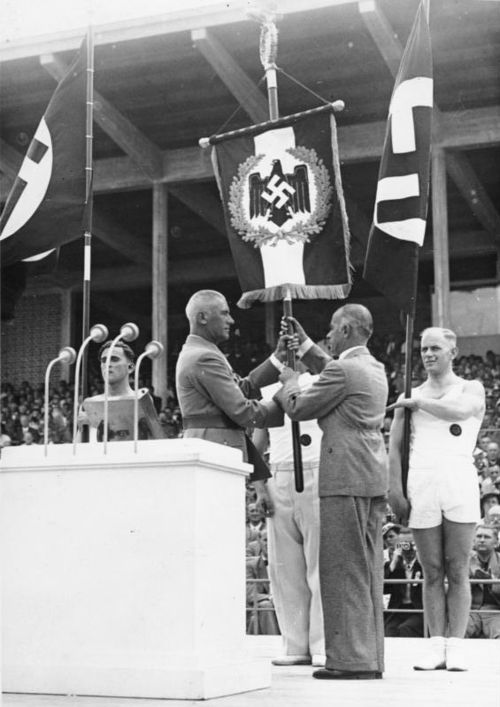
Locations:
column 277, row 191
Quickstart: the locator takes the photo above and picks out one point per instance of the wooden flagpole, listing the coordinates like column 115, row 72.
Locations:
column 268, row 52
column 89, row 136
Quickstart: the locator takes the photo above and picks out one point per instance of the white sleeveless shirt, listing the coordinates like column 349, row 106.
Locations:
column 436, row 443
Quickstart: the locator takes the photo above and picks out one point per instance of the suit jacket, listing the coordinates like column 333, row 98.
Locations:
column 348, row 400
column 207, row 386
column 477, row 590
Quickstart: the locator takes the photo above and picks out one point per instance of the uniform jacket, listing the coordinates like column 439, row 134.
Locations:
column 207, row 386
column 477, row 589
column 348, row 400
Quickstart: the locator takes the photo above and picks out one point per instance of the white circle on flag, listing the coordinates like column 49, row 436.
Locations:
column 37, row 177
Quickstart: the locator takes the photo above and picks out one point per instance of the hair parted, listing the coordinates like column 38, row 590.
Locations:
column 447, row 334
column 129, row 353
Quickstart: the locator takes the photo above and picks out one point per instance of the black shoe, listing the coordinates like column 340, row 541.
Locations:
column 327, row 674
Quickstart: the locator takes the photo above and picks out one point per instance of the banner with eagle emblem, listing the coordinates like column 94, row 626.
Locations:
column 45, row 206
column 284, row 210
column 400, row 213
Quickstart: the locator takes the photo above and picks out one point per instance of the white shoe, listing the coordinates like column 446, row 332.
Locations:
column 319, row 661
column 435, row 656
column 455, row 657
column 292, row 660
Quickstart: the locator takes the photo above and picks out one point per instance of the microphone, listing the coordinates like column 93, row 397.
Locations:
column 66, row 355
column 98, row 333
column 153, row 350
column 128, row 332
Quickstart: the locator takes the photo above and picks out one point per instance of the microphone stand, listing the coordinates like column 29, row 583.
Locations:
column 99, row 333
column 128, row 332
column 66, row 355
column 153, row 350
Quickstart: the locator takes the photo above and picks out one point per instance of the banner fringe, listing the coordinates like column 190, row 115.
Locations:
column 272, row 294
column 340, row 196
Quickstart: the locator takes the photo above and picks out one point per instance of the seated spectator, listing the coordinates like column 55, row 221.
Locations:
column 255, row 518
column 492, row 451
column 404, row 565
column 261, row 617
column 58, row 426
column 485, row 564
column 28, row 438
column 481, row 465
column 492, row 518
column 493, row 473
column 390, row 535
column 489, row 498
column 26, row 424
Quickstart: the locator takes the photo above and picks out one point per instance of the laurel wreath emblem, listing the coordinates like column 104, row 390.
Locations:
column 300, row 232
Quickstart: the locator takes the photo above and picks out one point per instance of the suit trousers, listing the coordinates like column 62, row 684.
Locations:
column 293, row 546
column 351, row 579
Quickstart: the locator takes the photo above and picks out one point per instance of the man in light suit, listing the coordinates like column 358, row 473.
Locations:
column 216, row 403
column 349, row 400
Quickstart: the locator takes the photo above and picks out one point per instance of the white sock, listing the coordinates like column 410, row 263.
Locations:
column 455, row 654
column 434, row 657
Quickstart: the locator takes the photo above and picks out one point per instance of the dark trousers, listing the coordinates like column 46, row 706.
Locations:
column 351, row 579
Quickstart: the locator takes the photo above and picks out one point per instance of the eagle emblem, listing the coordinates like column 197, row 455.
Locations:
column 270, row 202
column 279, row 196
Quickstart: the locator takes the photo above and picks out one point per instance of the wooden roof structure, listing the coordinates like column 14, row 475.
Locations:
column 162, row 83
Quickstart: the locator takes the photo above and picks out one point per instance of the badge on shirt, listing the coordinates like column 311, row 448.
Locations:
column 455, row 430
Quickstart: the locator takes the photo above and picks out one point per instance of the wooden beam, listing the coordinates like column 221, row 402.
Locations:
column 180, row 272
column 468, row 184
column 462, row 245
column 184, row 20
column 458, row 166
column 357, row 143
column 200, row 199
column 241, row 86
column 122, row 309
column 140, row 149
column 468, row 129
column 382, row 34
column 120, row 239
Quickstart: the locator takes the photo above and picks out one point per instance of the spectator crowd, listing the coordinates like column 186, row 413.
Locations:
column 22, row 422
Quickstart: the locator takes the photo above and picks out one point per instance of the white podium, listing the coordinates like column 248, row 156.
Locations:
column 123, row 574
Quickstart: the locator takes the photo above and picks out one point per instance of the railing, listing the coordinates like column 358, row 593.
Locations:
column 253, row 610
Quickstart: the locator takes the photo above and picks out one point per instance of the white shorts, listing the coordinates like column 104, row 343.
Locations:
column 450, row 491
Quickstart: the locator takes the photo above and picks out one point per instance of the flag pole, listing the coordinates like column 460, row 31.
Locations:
column 268, row 53
column 87, row 245
column 410, row 324
column 405, row 452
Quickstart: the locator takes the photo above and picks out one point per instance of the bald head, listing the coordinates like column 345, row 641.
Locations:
column 202, row 301
column 209, row 316
column 359, row 319
column 351, row 325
